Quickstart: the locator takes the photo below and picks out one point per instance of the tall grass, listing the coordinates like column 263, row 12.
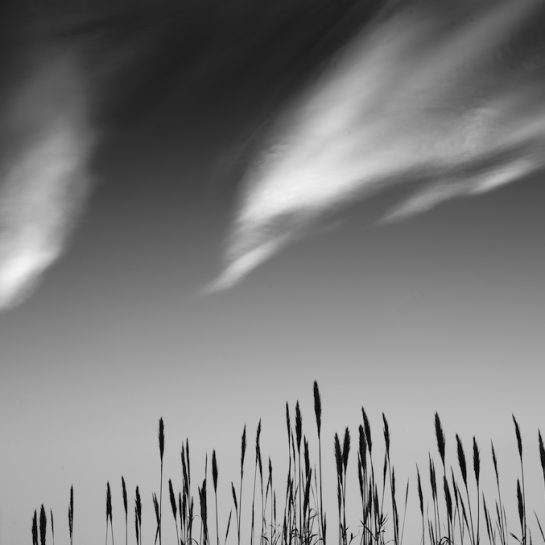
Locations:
column 454, row 509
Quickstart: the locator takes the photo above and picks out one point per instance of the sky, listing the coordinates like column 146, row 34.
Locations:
column 205, row 208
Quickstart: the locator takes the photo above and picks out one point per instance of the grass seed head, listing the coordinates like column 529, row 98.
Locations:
column 172, row 499
column 519, row 438
column 108, row 502
column 338, row 458
column 161, row 438
column 386, row 434
column 242, row 450
column 35, row 528
column 71, row 513
column 520, row 504
column 461, row 459
column 317, row 408
column 298, row 426
column 440, row 436
column 433, row 480
column 214, row 471
column 367, row 428
column 495, row 462
column 346, row 448
column 420, row 494
column 43, row 525
column 476, row 461
column 288, row 421
column 448, row 498
column 124, row 492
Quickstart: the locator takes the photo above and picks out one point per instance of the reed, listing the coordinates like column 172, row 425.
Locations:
column 256, row 464
column 161, row 454
column 238, row 504
column 318, row 416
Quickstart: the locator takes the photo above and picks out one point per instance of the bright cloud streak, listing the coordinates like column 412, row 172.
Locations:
column 43, row 181
column 422, row 94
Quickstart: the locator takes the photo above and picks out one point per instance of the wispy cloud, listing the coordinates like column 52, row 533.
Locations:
column 43, row 178
column 448, row 92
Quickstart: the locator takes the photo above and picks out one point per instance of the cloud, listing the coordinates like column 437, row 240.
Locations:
column 426, row 92
column 43, row 180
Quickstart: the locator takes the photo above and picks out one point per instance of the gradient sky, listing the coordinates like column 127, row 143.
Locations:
column 444, row 311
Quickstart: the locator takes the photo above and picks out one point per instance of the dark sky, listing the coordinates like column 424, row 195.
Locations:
column 444, row 311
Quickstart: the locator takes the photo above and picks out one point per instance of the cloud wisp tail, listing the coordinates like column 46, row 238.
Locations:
column 447, row 94
column 44, row 178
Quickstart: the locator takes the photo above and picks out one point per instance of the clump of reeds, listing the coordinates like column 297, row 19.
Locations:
column 454, row 510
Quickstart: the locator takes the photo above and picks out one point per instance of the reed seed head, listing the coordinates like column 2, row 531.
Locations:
column 71, row 512
column 317, row 408
column 288, row 421
column 52, row 523
column 35, row 528
column 138, row 505
column 258, row 446
column 433, row 480
column 214, row 471
column 448, row 498
column 172, row 499
column 520, row 504
column 338, row 458
column 234, row 496
column 298, row 426
column 124, row 492
column 420, row 494
column 461, row 459
column 346, row 448
column 43, row 525
column 108, row 502
column 161, row 438
column 541, row 453
column 242, row 450
column 519, row 438
column 440, row 436
column 495, row 462
column 367, row 428
column 156, row 508
column 476, row 461
column 386, row 434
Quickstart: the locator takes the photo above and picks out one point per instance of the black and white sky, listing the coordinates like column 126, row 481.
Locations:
column 204, row 207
